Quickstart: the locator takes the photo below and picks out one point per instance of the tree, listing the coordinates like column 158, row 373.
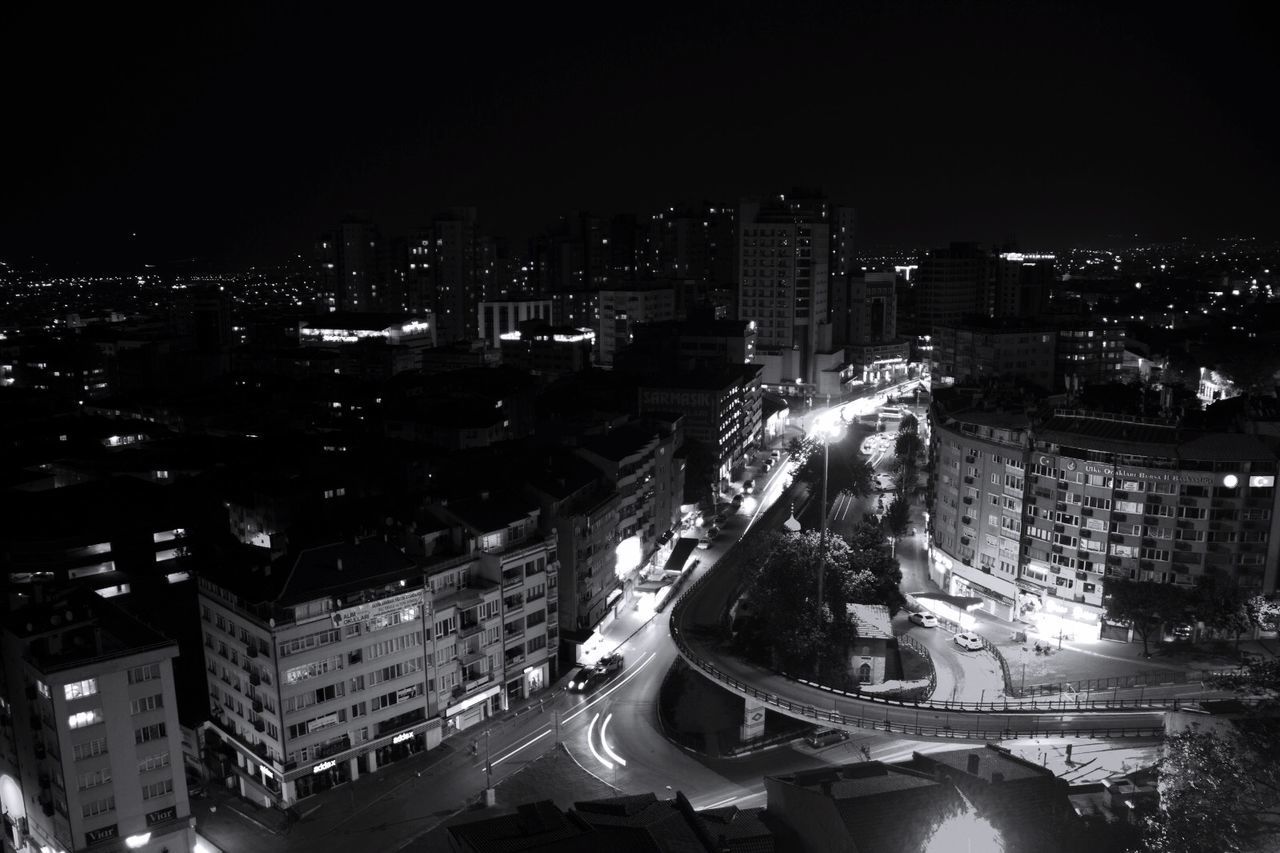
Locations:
column 782, row 585
column 898, row 516
column 1221, row 607
column 907, row 446
column 1144, row 605
column 1263, row 612
column 909, row 423
column 874, row 576
column 1219, row 791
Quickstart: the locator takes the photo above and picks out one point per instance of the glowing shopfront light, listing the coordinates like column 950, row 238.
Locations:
column 629, row 554
column 133, row 842
column 1230, row 481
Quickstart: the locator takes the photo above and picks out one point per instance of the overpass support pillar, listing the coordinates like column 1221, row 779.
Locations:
column 752, row 720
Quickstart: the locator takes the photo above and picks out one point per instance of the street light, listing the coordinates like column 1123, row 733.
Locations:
column 827, row 433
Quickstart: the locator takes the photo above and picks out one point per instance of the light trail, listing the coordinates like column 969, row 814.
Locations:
column 604, row 744
column 591, row 743
column 529, row 742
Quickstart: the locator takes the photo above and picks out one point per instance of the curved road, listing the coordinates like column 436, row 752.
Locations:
column 695, row 627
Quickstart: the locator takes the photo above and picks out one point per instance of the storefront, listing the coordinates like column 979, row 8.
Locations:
column 467, row 713
column 402, row 746
column 324, row 776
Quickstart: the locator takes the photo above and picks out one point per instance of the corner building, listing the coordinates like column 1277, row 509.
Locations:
column 94, row 757
column 354, row 655
column 1035, row 517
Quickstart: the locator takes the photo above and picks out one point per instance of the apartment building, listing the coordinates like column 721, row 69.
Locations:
column 93, row 757
column 638, row 460
column 1035, row 516
column 583, row 509
column 504, row 537
column 315, row 664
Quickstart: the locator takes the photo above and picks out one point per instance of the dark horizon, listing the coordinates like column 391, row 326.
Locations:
column 238, row 141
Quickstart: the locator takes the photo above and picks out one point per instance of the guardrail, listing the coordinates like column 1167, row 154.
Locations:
column 921, row 650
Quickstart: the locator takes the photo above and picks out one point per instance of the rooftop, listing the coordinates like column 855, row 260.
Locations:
column 80, row 628
column 871, row 621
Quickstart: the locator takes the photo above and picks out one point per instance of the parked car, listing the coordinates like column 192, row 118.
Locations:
column 611, row 664
column 1182, row 632
column 775, row 454
column 968, row 640
column 925, row 620
column 704, row 543
column 748, row 487
column 736, row 502
column 826, row 737
column 195, row 786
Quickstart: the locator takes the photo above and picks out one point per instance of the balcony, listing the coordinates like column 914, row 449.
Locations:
column 255, row 679
column 259, row 725
column 968, row 501
column 257, row 706
column 251, row 650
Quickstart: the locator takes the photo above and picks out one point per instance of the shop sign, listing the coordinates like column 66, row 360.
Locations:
column 376, row 609
column 325, row 765
column 324, row 722
column 171, row 813
column 1185, row 477
column 402, row 737
column 1261, row 482
column 106, row 833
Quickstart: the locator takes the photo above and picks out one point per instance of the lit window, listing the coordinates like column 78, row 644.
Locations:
column 85, row 718
column 80, row 689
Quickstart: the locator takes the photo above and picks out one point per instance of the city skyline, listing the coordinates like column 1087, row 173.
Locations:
column 235, row 141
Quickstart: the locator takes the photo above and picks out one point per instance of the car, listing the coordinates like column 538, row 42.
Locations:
column 826, row 737
column 736, row 502
column 704, row 543
column 968, row 640
column 1183, row 631
column 768, row 463
column 775, row 454
column 748, row 487
column 720, row 517
column 589, row 677
column 195, row 786
column 925, row 620
column 713, row 532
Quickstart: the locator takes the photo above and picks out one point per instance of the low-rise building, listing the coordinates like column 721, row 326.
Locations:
column 873, row 630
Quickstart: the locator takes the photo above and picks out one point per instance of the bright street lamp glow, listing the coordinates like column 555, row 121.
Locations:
column 1230, row 481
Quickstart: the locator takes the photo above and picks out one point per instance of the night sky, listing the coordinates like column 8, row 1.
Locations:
column 236, row 137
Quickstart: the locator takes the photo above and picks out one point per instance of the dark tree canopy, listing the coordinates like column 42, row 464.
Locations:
column 1145, row 605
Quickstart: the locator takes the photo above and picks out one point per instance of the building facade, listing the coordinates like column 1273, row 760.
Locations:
column 496, row 319
column 784, row 261
column 1034, row 518
column 721, row 409
column 981, row 350
column 354, row 655
column 621, row 309
column 95, row 757
column 864, row 308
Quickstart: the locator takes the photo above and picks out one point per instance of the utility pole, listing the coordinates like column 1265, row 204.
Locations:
column 822, row 537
